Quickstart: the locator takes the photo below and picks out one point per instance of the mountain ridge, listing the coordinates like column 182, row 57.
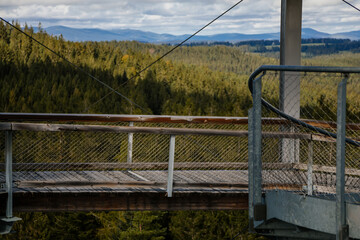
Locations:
column 96, row 34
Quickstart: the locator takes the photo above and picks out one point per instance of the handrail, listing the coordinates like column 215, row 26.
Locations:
column 120, row 118
column 41, row 127
column 294, row 68
column 100, row 118
column 264, row 68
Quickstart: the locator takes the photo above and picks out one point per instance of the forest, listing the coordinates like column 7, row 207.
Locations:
column 194, row 80
column 310, row 47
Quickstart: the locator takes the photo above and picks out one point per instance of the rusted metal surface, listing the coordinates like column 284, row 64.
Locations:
column 60, row 117
column 120, row 129
column 41, row 127
column 149, row 200
column 119, row 118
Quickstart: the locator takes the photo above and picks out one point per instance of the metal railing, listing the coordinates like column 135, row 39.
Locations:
column 203, row 143
column 59, row 150
column 327, row 169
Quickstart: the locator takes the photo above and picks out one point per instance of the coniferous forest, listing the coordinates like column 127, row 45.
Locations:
column 193, row 80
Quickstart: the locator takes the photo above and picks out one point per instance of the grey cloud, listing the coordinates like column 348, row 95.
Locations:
column 175, row 16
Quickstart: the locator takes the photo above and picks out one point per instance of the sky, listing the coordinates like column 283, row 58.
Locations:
column 180, row 16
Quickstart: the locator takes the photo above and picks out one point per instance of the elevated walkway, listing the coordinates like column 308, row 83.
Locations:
column 291, row 173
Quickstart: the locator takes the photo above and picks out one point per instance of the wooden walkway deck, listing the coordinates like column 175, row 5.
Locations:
column 146, row 190
column 127, row 190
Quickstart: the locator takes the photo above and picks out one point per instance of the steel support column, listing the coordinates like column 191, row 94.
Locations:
column 251, row 168
column 342, row 229
column 290, row 54
column 259, row 207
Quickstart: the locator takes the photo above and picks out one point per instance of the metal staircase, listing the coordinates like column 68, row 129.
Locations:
column 326, row 206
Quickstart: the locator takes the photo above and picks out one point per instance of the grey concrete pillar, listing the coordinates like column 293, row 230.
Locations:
column 290, row 54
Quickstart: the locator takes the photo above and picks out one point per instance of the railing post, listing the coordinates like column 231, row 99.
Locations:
column 310, row 186
column 290, row 54
column 259, row 207
column 8, row 172
column 342, row 229
column 7, row 221
column 251, row 168
column 170, row 179
column 130, row 144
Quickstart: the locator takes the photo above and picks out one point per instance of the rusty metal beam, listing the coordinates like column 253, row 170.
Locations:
column 60, row 117
column 125, row 201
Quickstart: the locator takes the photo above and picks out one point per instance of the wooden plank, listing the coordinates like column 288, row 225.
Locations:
column 125, row 129
column 156, row 119
column 322, row 138
column 327, row 169
column 119, row 176
column 152, row 130
column 55, row 167
column 98, row 175
column 133, row 118
column 154, row 175
column 287, row 135
column 120, row 118
column 142, row 184
column 155, row 130
column 332, row 125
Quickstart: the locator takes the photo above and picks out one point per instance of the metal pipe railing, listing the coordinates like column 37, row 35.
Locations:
column 256, row 199
column 264, row 68
column 104, row 118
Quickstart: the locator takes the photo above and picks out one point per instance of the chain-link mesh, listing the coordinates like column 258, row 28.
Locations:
column 71, row 158
column 293, row 156
column 307, row 161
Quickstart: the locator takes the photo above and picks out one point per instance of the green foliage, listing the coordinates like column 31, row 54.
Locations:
column 210, row 225
column 132, row 225
column 194, row 80
column 32, row 226
column 35, row 80
column 59, row 226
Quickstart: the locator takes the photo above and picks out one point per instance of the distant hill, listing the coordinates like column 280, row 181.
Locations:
column 354, row 35
column 93, row 34
column 307, row 33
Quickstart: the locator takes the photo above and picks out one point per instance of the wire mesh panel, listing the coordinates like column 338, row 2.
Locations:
column 352, row 160
column 307, row 157
column 66, row 156
column 151, row 148
column 58, row 155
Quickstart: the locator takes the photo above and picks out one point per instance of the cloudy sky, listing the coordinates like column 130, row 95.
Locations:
column 180, row 16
